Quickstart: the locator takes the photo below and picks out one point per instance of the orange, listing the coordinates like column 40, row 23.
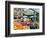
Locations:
column 18, row 25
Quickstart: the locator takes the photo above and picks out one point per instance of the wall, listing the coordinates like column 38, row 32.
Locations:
column 2, row 19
